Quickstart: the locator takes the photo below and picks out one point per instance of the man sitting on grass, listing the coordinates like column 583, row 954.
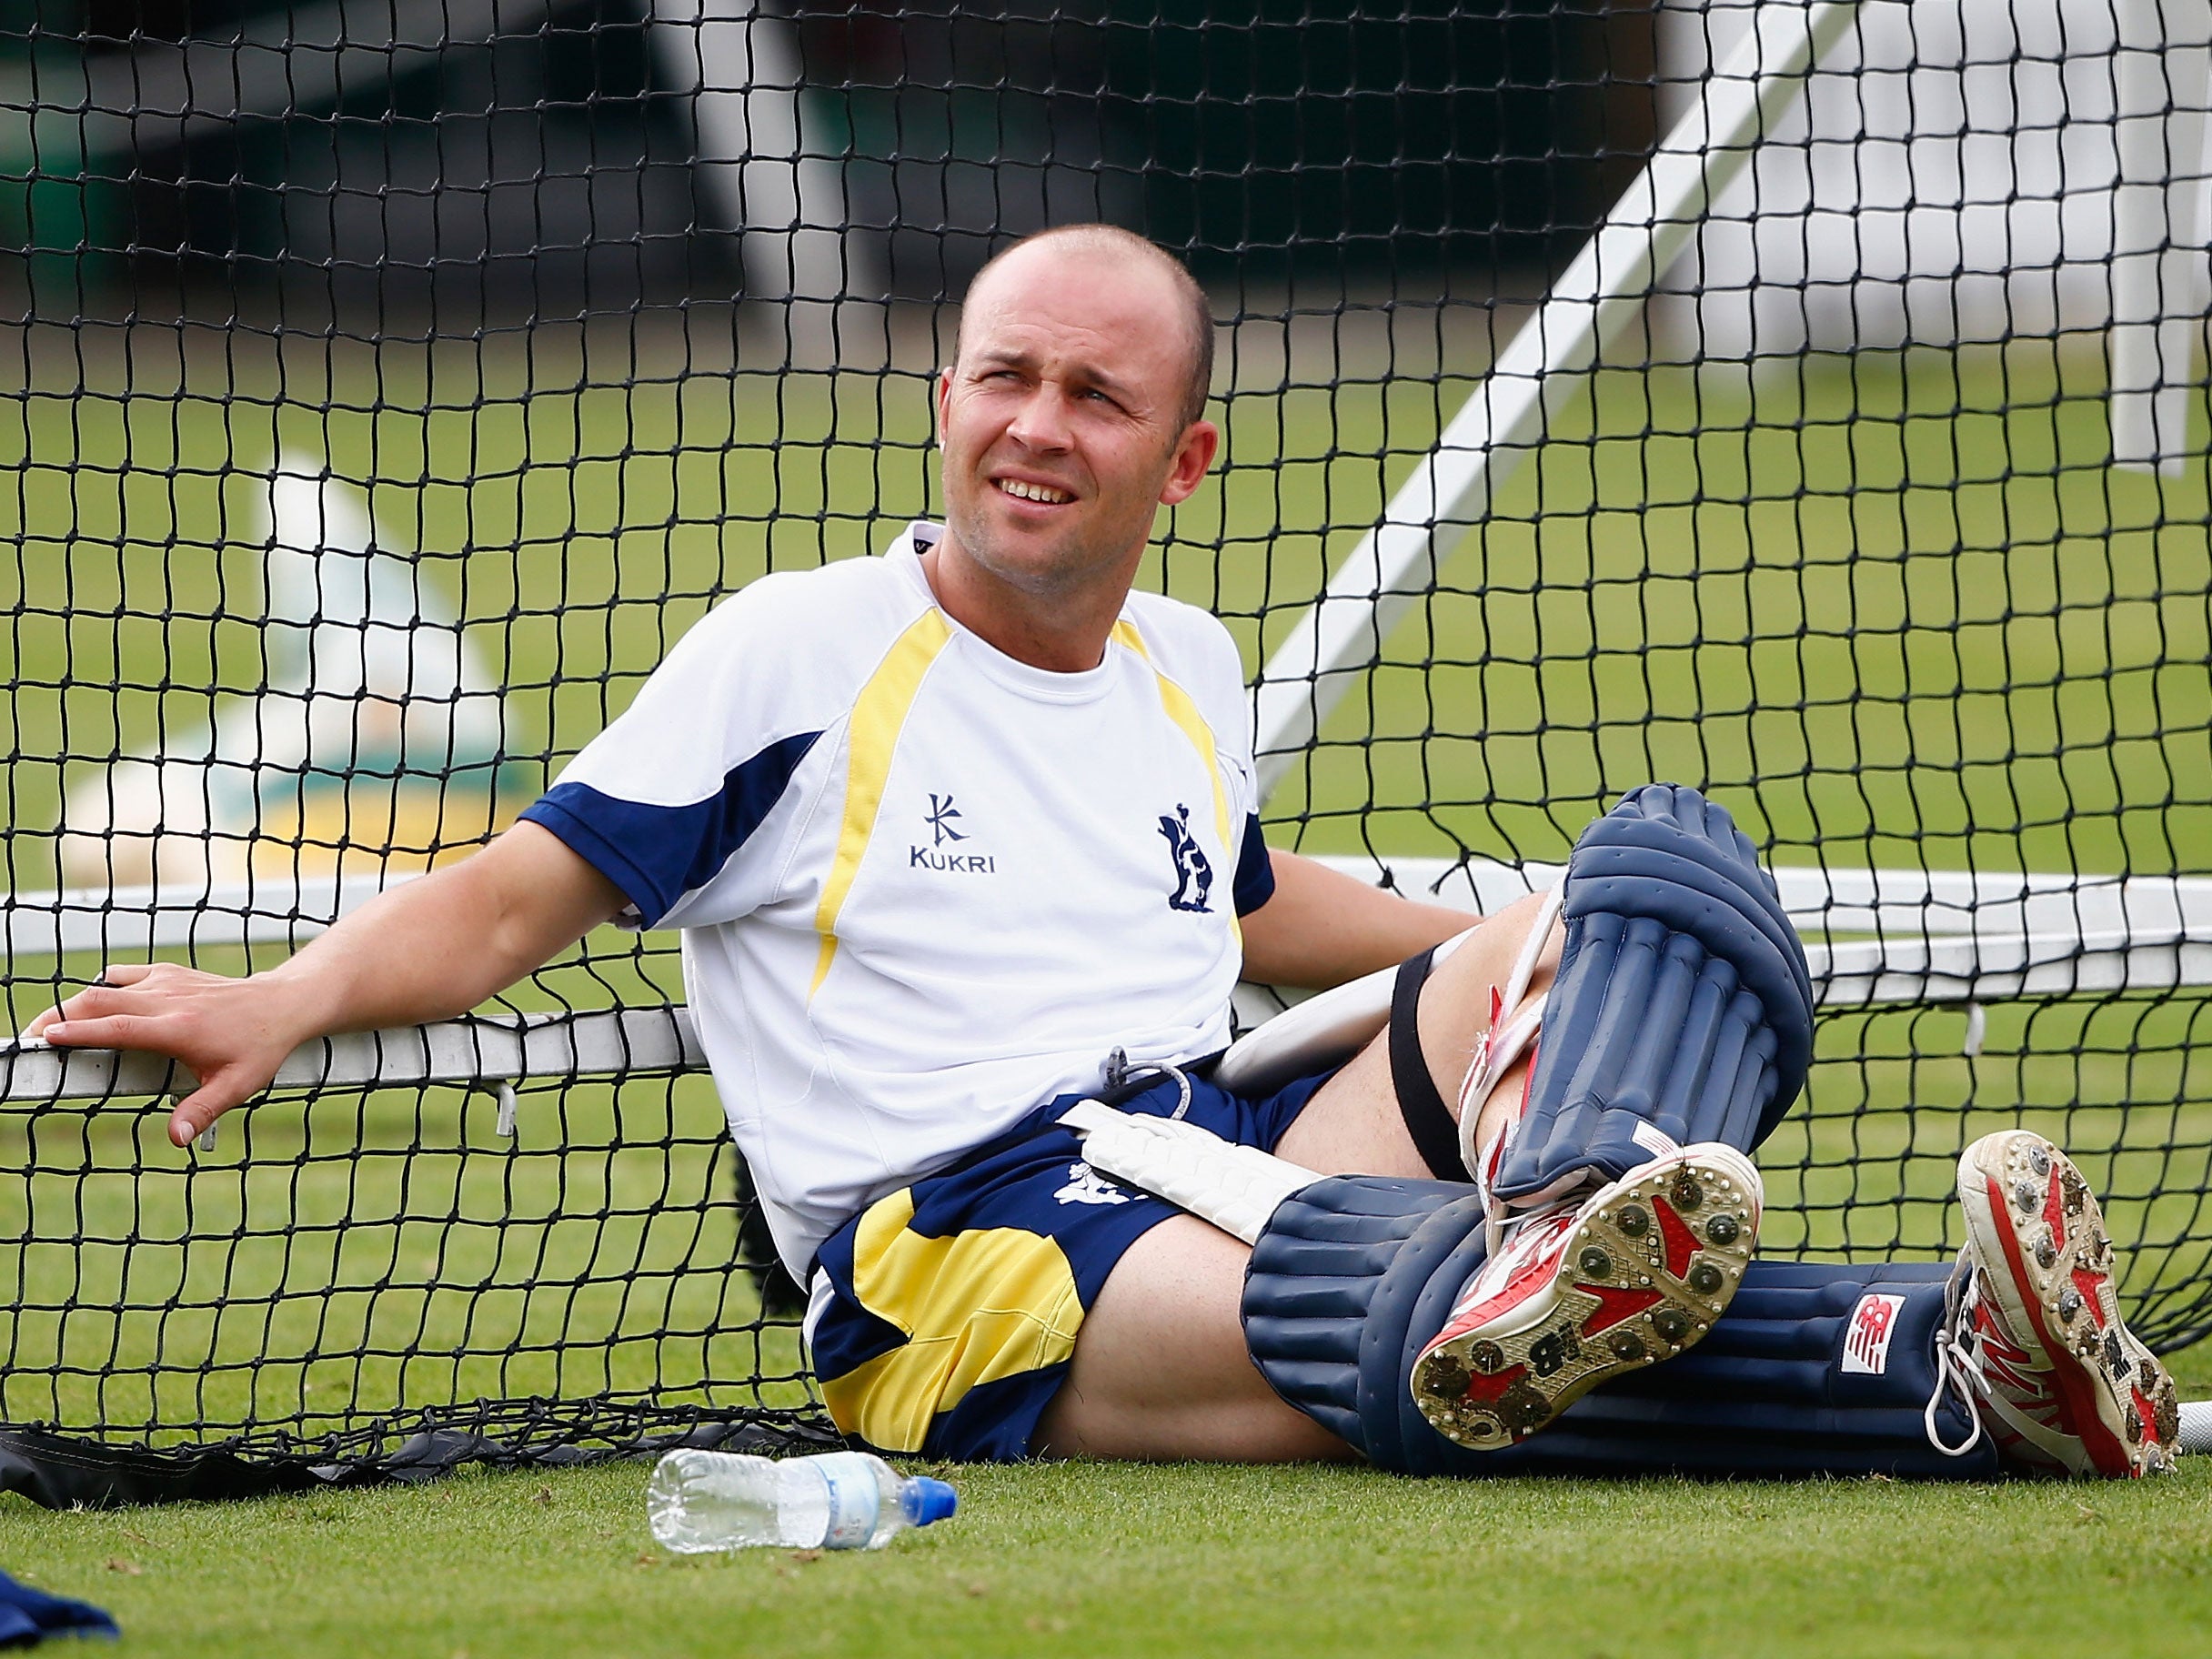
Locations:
column 946, row 829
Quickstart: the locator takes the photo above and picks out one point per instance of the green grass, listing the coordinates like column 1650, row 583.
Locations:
column 1895, row 609
column 367, row 1254
column 362, row 1253
column 1892, row 609
column 1102, row 1560
column 1898, row 606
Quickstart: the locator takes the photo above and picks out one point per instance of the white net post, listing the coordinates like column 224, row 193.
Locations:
column 762, row 168
column 1543, row 370
column 2160, row 283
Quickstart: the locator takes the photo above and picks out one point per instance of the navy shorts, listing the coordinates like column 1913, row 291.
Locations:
column 944, row 1315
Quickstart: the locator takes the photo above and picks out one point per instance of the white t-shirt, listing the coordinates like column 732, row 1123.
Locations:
column 923, row 887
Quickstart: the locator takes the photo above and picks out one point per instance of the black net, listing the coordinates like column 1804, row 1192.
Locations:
column 388, row 387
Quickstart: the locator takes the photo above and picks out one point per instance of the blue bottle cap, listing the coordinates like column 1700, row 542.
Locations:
column 925, row 1500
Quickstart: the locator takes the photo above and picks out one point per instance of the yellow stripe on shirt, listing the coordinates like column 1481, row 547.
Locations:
column 976, row 1307
column 871, row 735
column 1182, row 709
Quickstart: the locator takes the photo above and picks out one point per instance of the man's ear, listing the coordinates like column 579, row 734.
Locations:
column 1195, row 452
column 944, row 397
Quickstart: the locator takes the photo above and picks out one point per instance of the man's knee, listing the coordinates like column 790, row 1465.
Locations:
column 1348, row 1275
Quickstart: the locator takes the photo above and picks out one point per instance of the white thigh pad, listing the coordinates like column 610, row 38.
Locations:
column 1234, row 1187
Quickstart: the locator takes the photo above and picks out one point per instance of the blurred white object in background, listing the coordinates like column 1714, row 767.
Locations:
column 372, row 747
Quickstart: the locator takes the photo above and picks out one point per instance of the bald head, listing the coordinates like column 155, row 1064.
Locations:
column 1112, row 246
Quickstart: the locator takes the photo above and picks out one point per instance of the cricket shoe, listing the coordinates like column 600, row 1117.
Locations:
column 2034, row 1327
column 1588, row 1290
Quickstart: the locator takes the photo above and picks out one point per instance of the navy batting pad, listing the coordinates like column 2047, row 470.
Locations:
column 1681, row 1000
column 1817, row 1369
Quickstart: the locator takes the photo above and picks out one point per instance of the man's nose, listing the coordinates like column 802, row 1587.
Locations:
column 1041, row 421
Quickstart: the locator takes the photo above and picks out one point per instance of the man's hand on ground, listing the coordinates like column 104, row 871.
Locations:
column 430, row 949
column 230, row 1034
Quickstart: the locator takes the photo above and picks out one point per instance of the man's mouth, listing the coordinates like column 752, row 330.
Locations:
column 1044, row 493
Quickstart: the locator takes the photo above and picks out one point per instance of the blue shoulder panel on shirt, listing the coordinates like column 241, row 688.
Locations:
column 658, row 854
column 1255, row 882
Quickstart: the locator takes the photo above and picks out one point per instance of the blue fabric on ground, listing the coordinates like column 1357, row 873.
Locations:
column 29, row 1616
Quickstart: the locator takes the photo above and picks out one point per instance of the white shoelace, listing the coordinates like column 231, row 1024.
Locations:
column 1958, row 1368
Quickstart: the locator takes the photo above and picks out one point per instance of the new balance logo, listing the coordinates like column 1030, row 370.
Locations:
column 1085, row 1186
column 1867, row 1342
column 1194, row 871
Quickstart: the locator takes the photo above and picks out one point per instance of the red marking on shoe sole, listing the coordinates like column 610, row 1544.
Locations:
column 2054, row 1208
column 1489, row 1389
column 2077, row 1392
column 1616, row 1303
column 2091, row 1284
column 1681, row 1242
column 2147, row 1412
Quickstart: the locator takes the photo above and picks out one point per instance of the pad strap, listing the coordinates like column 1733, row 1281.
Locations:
column 1427, row 1118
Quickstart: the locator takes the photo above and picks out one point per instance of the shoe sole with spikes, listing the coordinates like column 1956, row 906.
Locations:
column 2039, row 1240
column 1630, row 1276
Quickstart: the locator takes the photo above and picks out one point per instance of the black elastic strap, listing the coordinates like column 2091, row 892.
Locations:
column 1427, row 1118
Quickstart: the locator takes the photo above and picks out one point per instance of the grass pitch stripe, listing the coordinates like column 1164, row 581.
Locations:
column 878, row 714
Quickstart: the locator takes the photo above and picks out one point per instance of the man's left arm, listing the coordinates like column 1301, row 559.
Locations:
column 1322, row 926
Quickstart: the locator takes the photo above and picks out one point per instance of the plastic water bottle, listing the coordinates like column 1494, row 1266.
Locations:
column 700, row 1500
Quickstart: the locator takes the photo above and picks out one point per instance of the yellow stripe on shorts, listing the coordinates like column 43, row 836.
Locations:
column 976, row 1307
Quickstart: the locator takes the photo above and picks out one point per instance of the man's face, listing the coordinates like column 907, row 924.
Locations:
column 1061, row 421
